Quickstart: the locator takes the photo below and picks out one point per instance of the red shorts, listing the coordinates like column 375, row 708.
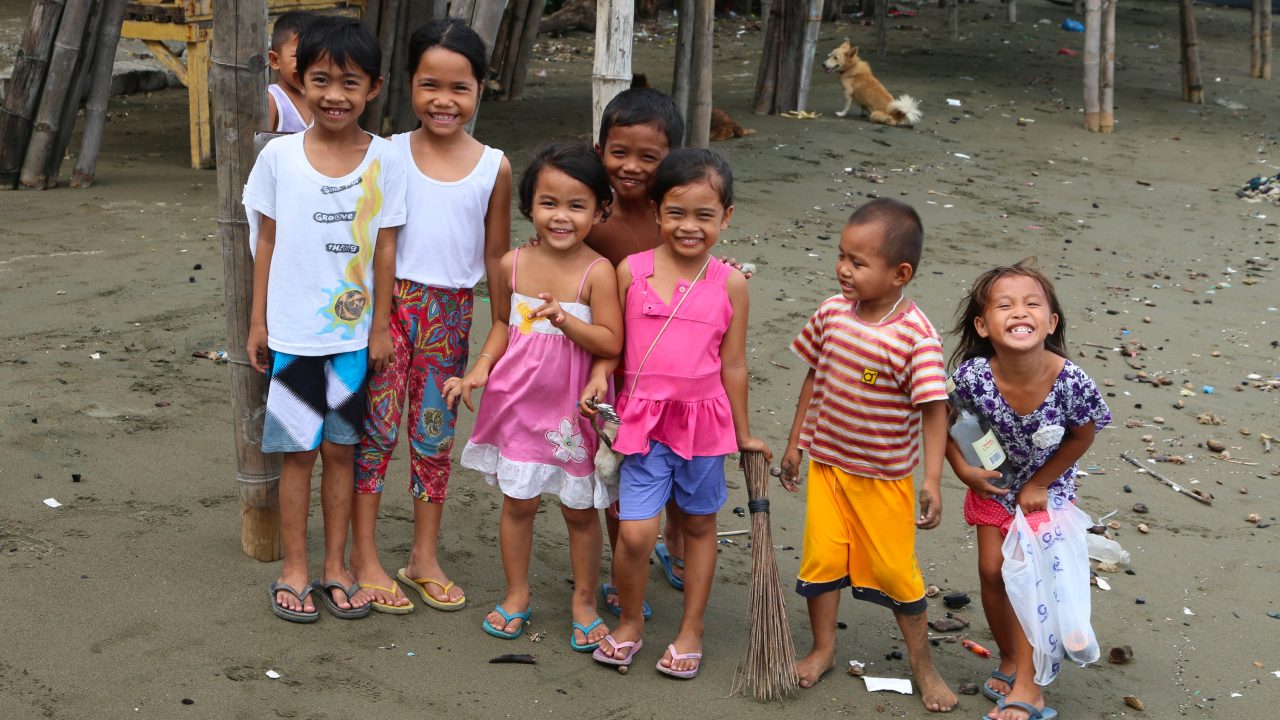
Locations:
column 985, row 511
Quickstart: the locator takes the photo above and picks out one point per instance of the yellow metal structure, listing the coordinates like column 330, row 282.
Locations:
column 156, row 22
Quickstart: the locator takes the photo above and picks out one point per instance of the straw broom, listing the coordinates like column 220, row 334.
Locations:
column 769, row 670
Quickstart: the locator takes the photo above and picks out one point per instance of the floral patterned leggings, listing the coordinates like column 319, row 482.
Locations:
column 429, row 329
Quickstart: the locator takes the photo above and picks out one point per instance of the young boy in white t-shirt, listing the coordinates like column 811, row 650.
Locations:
column 324, row 206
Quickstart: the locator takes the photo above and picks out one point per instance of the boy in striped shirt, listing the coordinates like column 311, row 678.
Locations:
column 876, row 383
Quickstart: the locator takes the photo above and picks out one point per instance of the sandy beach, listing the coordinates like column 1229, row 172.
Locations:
column 134, row 600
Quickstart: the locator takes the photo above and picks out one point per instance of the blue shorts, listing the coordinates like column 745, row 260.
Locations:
column 647, row 481
column 313, row 398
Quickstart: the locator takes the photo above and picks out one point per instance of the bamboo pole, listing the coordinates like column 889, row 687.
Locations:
column 1107, row 75
column 238, row 74
column 1260, row 40
column 953, row 18
column 684, row 56
column 1092, row 43
column 1011, row 11
column 611, row 71
column 1192, row 87
column 882, row 27
column 765, row 101
column 527, row 38
column 75, row 98
column 388, row 19
column 372, row 13
column 514, row 25
column 789, row 62
column 25, row 84
column 66, row 47
column 1266, row 41
column 399, row 114
column 698, row 121
column 485, row 17
column 95, row 114
column 812, row 24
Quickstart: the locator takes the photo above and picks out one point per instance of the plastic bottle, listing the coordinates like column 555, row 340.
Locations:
column 977, row 440
column 1106, row 550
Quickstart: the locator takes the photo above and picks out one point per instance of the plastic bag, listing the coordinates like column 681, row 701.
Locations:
column 1046, row 575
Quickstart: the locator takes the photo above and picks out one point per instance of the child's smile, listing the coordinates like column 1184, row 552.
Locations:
column 692, row 216
column 564, row 209
column 445, row 91
column 630, row 155
column 1017, row 315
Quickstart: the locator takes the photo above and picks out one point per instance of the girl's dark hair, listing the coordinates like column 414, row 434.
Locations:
column 577, row 160
column 454, row 35
column 971, row 344
column 685, row 166
column 345, row 41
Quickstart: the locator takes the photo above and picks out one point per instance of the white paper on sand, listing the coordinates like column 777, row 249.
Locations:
column 898, row 685
column 273, row 674
column 52, row 502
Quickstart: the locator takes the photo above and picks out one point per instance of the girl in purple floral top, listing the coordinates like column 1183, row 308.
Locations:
column 1013, row 369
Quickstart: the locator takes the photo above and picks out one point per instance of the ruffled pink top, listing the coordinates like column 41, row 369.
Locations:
column 678, row 399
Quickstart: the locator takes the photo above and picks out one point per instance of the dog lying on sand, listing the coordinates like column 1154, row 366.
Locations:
column 862, row 87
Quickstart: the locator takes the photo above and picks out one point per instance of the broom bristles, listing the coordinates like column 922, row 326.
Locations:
column 769, row 669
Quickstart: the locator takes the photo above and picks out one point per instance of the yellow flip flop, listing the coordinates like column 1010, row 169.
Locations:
column 420, row 584
column 383, row 607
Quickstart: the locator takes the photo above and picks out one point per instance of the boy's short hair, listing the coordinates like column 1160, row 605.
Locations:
column 685, row 166
column 290, row 24
column 903, row 239
column 643, row 106
column 578, row 161
column 345, row 41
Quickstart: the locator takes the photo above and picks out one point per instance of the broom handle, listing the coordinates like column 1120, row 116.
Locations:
column 755, row 466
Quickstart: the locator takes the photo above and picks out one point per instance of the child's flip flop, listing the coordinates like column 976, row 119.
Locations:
column 383, row 607
column 607, row 589
column 600, row 657
column 669, row 563
column 420, row 584
column 507, row 617
column 991, row 693
column 586, row 635
column 676, row 656
column 284, row 613
column 1033, row 713
column 352, row 613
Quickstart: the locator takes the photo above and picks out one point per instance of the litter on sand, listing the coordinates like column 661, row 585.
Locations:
column 53, row 503
column 877, row 684
column 273, row 674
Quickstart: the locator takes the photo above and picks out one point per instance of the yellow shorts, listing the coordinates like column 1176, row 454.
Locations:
column 860, row 533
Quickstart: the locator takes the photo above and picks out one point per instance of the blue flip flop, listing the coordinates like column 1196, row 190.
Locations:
column 607, row 589
column 507, row 618
column 669, row 563
column 1033, row 713
column 586, row 633
column 991, row 693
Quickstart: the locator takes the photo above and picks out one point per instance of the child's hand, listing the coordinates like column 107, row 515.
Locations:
column 790, row 475
column 256, row 346
column 753, row 443
column 596, row 390
column 979, row 481
column 1033, row 497
column 740, row 267
column 462, row 387
column 382, row 352
column 549, row 309
column 930, row 508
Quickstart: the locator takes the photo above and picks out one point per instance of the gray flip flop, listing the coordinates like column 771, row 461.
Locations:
column 285, row 613
column 353, row 613
column 991, row 693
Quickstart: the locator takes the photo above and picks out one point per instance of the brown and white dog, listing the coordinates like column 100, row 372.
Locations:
column 862, row 87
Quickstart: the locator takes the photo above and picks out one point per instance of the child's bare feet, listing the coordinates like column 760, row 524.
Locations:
column 435, row 589
column 998, row 683
column 340, row 597
column 935, row 694
column 584, row 613
column 622, row 634
column 514, row 604
column 685, row 644
column 288, row 600
column 373, row 574
column 811, row 667
column 1029, row 695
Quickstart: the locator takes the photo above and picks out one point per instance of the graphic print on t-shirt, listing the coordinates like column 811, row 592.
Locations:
column 349, row 304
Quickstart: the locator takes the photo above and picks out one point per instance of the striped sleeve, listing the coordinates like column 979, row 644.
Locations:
column 928, row 371
column 808, row 344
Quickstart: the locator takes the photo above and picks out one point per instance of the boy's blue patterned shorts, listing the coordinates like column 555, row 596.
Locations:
column 314, row 398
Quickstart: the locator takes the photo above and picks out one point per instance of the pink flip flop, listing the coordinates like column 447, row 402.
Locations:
column 600, row 657
column 677, row 656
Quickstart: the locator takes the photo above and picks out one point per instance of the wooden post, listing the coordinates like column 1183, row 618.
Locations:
column 388, row 24
column 1106, row 116
column 882, row 27
column 528, row 37
column 413, row 15
column 75, row 98
column 1260, row 40
column 514, row 25
column 484, row 17
column 684, row 56
column 239, row 64
column 1266, row 41
column 812, row 24
column 766, row 95
column 95, row 113
column 1011, row 11
column 1092, row 43
column 698, row 121
column 25, row 84
column 953, row 18
column 371, row 15
column 1192, row 87
column 62, row 63
column 611, row 70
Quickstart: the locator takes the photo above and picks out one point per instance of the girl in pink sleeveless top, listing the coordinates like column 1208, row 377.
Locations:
column 683, row 401
column 555, row 307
